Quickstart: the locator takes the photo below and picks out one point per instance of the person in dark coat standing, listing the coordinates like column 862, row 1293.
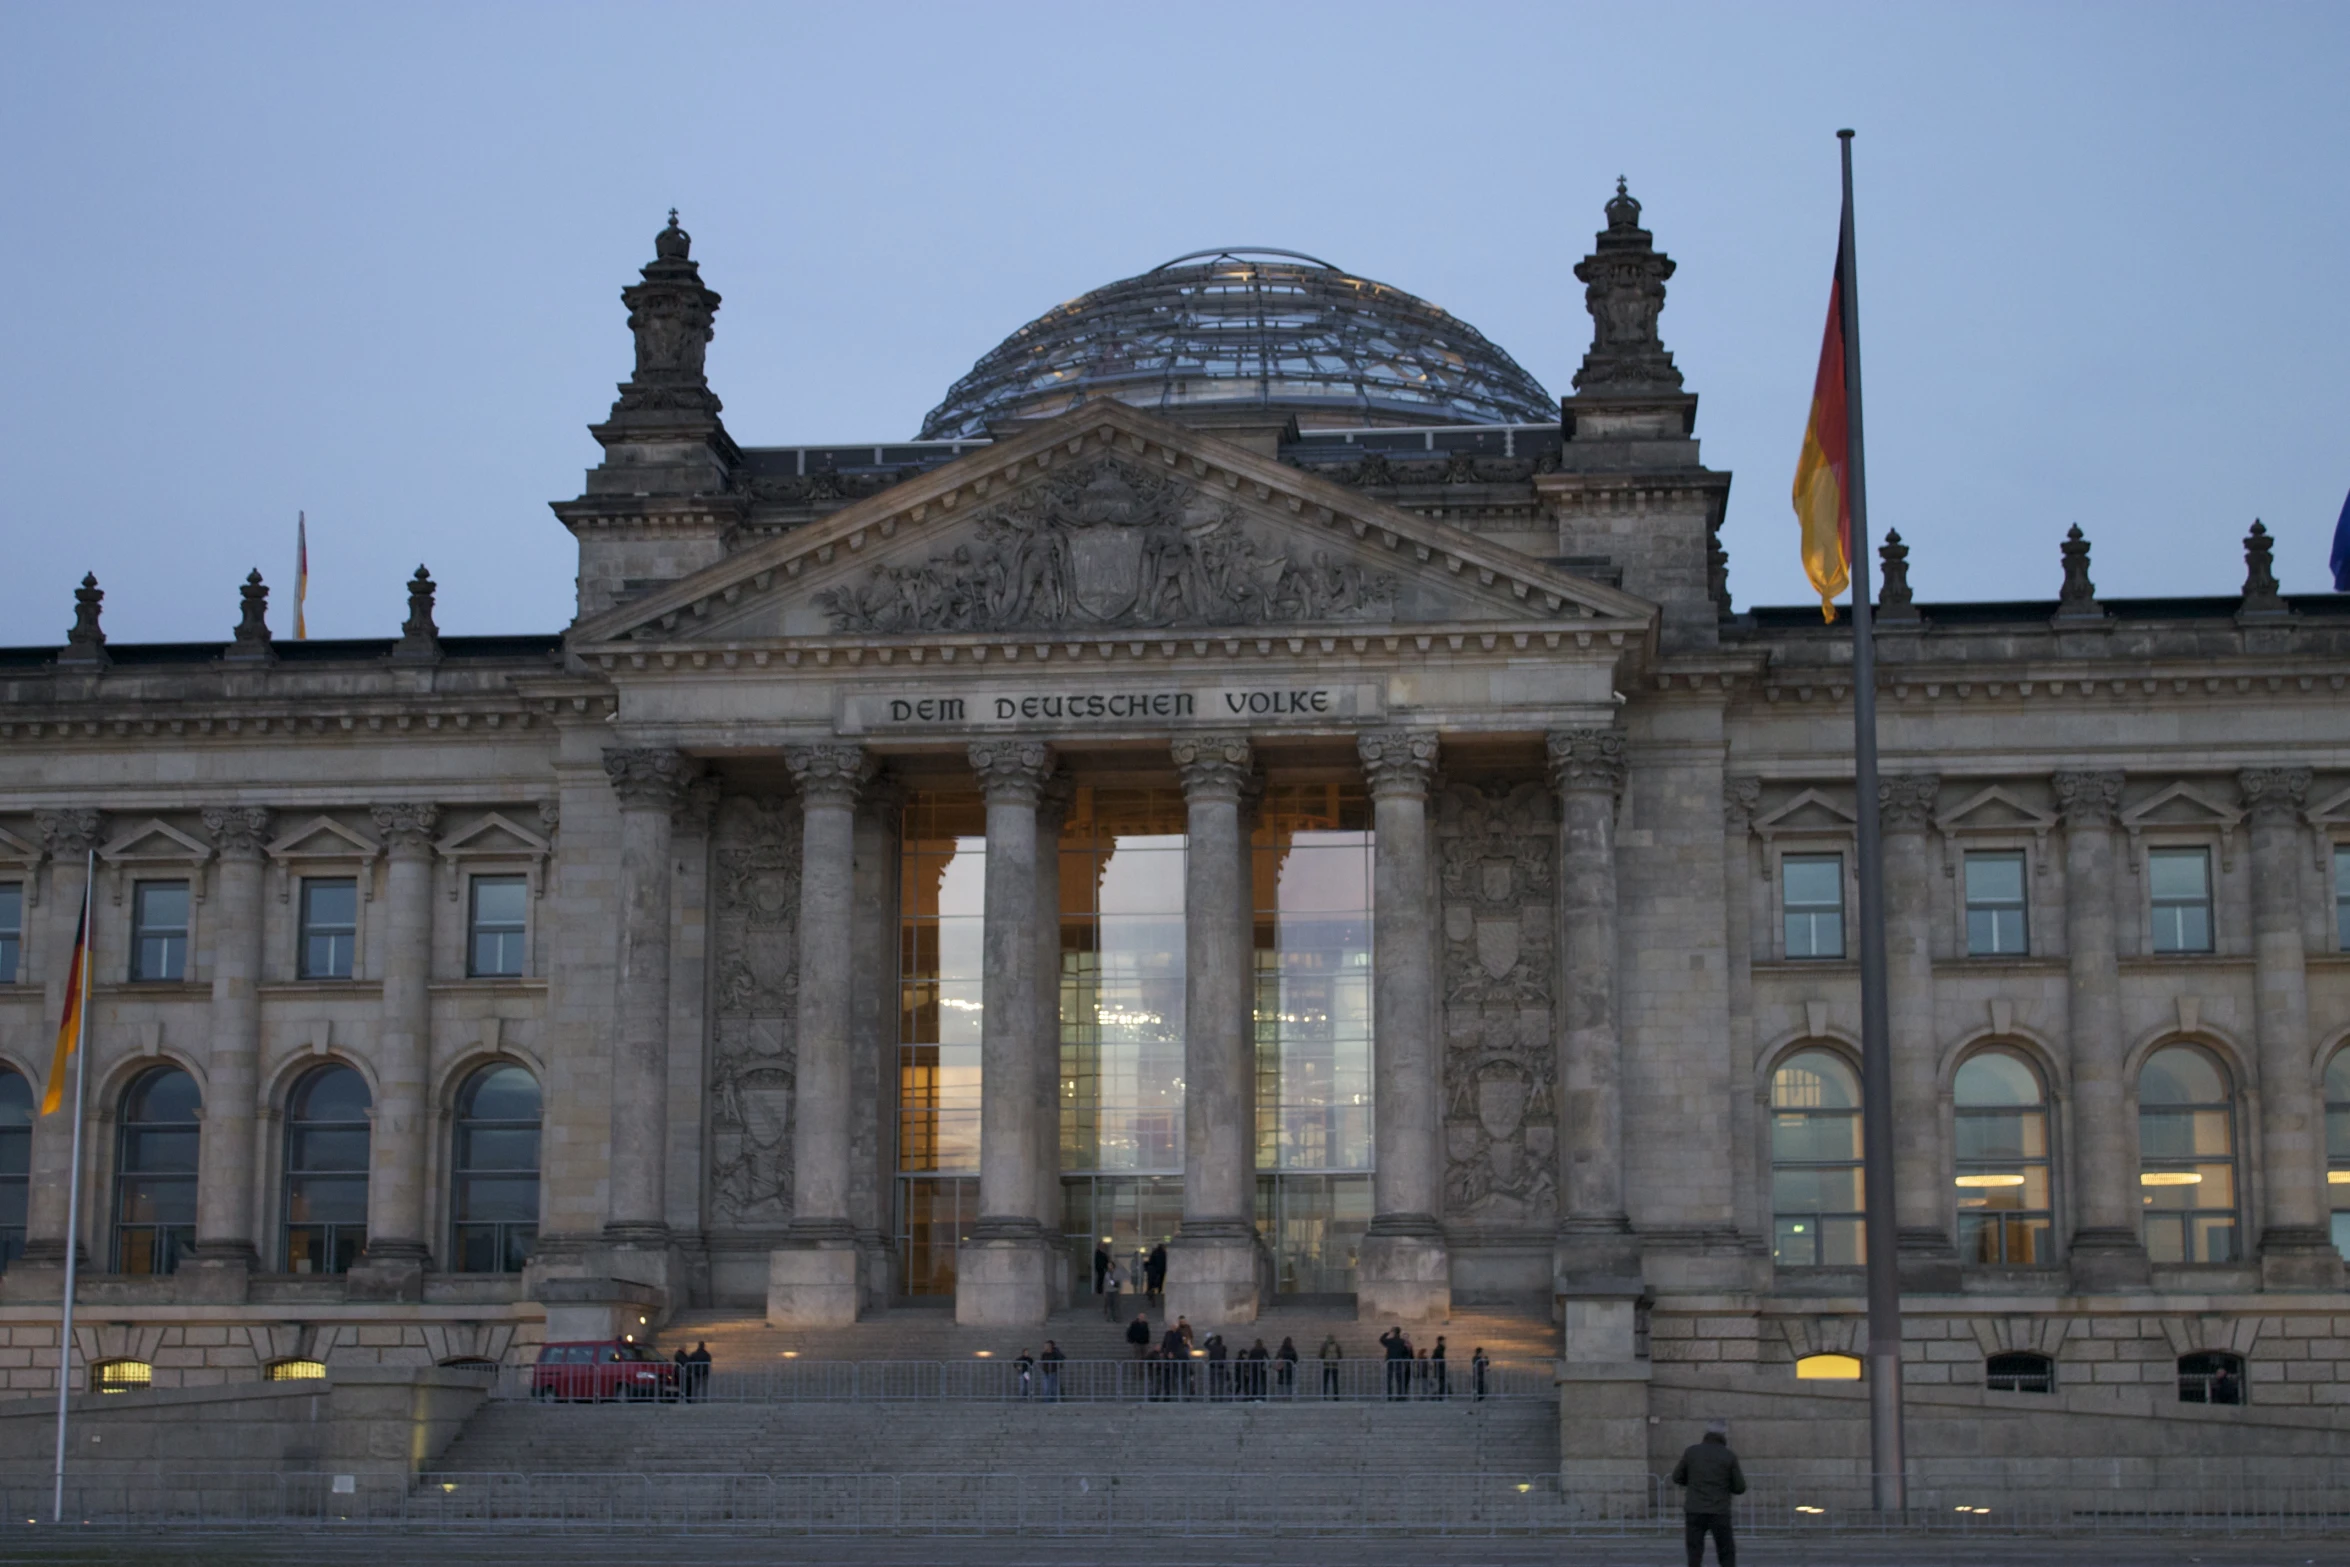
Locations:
column 1154, row 1276
column 1399, row 1362
column 1285, row 1367
column 1709, row 1475
column 1138, row 1333
column 1331, row 1356
column 697, row 1370
column 683, row 1387
column 1477, row 1364
column 1436, row 1364
column 1049, row 1364
column 1101, row 1266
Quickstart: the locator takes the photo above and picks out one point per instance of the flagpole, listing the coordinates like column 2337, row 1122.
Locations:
column 73, row 1201
column 1888, row 1461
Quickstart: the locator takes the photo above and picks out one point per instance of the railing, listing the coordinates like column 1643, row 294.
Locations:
column 2073, row 1497
column 1003, row 1381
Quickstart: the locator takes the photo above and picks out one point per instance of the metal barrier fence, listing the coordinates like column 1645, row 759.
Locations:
column 2306, row 1499
column 999, row 1380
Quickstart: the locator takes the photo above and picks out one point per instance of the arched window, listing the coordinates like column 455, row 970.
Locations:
column 1815, row 1162
column 2187, row 1156
column 16, row 1160
column 155, row 1172
column 2211, row 1377
column 2337, row 1146
column 2019, row 1373
column 1828, row 1368
column 326, row 1171
column 494, row 1185
column 2004, row 1214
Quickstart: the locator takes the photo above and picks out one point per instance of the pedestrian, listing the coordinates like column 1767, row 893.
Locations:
column 1026, row 1366
column 1419, row 1369
column 1436, row 1360
column 683, row 1387
column 1709, row 1475
column 1219, row 1368
column 1154, row 1375
column 1138, row 1333
column 1399, row 1362
column 1174, row 1352
column 1259, row 1360
column 1050, row 1368
column 1113, row 1281
column 1101, row 1266
column 1154, row 1273
column 1286, row 1370
column 1331, row 1356
column 1477, row 1365
column 698, row 1370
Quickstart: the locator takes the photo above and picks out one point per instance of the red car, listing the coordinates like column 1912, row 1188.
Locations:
column 600, row 1370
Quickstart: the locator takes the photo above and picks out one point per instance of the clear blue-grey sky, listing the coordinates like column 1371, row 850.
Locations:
column 364, row 261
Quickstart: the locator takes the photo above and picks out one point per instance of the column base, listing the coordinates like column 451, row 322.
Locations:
column 2299, row 1258
column 2109, row 1262
column 1213, row 1276
column 388, row 1273
column 1927, row 1262
column 1000, row 1276
column 814, row 1279
column 1604, row 1436
column 1404, row 1271
column 217, row 1273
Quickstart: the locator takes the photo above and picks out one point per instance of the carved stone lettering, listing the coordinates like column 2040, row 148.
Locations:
column 1103, row 543
column 1496, row 858
column 753, row 1064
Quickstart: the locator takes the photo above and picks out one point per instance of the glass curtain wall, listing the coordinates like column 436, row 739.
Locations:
column 942, row 902
column 1122, row 976
column 1312, row 879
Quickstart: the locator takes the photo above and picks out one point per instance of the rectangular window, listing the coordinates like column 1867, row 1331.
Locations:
column 942, row 966
column 11, row 930
column 1995, row 904
column 1811, row 897
column 2179, row 881
column 159, row 930
column 330, row 926
column 2342, row 897
column 494, row 933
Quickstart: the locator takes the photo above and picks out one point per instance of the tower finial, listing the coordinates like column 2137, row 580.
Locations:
column 1624, row 280
column 1621, row 188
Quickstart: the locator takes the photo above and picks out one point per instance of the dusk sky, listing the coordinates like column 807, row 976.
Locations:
column 365, row 261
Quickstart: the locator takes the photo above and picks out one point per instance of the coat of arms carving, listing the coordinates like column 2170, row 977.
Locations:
column 754, row 1060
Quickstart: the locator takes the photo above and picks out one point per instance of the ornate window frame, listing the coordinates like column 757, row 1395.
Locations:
column 2215, row 834
column 126, row 859
column 1782, row 836
column 323, row 847
column 2011, row 824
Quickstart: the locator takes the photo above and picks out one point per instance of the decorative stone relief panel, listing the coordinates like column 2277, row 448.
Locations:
column 1103, row 543
column 754, row 1056
column 1497, row 859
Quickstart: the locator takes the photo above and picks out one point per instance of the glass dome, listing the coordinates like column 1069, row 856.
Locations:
column 1248, row 327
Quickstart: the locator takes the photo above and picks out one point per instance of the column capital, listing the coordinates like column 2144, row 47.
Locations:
column 407, row 826
column 70, row 833
column 1905, row 801
column 1011, row 772
column 2273, row 794
column 1741, row 798
column 239, row 831
column 1587, row 760
column 648, row 777
column 1398, row 761
column 1213, row 766
column 2087, row 799
column 829, row 774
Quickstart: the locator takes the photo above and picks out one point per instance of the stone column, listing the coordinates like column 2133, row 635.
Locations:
column 812, row 1277
column 873, row 1070
column 392, row 1265
column 225, row 1257
column 39, row 1275
column 999, row 1273
column 1212, row 1265
column 2296, row 1246
column 2107, row 1253
column 1928, row 1260
column 1052, row 813
column 1595, row 1246
column 651, row 784
column 1405, row 1268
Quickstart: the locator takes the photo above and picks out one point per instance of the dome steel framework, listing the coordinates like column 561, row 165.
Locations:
column 1248, row 326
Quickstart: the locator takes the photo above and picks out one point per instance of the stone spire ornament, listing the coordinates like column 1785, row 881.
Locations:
column 252, row 642
column 85, row 644
column 420, row 639
column 2077, row 599
column 1893, row 598
column 670, row 313
column 1624, row 289
column 2260, row 575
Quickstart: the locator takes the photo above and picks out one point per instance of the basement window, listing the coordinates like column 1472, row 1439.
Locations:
column 1828, row 1368
column 295, row 1370
column 121, row 1376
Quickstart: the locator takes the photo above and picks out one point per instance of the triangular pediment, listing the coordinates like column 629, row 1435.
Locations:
column 494, row 836
column 1111, row 522
column 157, row 840
column 1995, row 810
column 323, row 838
column 1809, row 814
column 2180, row 805
column 21, row 851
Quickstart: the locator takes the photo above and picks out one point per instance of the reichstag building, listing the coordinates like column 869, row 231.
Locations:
column 1254, row 772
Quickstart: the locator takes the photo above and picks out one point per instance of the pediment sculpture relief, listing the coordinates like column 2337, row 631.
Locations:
column 1106, row 544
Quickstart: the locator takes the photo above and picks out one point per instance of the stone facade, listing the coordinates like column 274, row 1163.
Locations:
column 1586, row 775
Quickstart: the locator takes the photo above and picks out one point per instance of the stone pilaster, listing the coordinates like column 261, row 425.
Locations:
column 67, row 837
column 1929, row 1262
column 2107, row 1251
column 1405, row 1268
column 1741, row 796
column 1000, row 1277
column 1594, row 1244
column 651, row 784
column 812, row 1279
column 873, row 1074
column 1212, row 1273
column 2296, row 1248
column 392, row 1267
column 225, row 1257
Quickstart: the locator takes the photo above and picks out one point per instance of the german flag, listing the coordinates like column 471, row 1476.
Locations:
column 69, row 1027
column 1823, row 488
